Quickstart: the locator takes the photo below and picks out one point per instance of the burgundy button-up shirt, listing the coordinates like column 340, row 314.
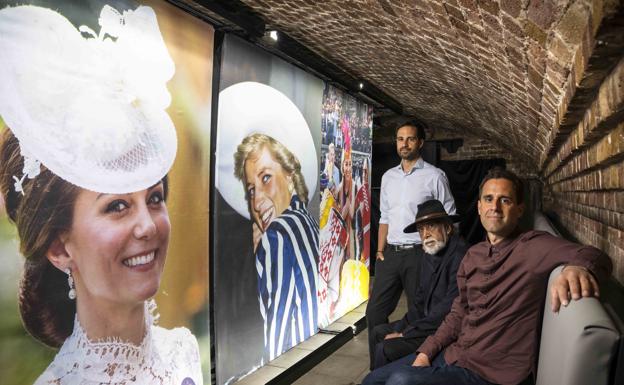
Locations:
column 493, row 325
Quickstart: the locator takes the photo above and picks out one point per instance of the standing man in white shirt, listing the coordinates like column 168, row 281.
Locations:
column 399, row 254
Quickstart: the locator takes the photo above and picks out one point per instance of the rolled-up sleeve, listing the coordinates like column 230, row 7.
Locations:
column 384, row 205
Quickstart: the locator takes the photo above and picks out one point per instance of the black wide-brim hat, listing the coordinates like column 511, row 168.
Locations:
column 430, row 210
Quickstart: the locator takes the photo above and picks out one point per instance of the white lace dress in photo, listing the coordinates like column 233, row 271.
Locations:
column 165, row 357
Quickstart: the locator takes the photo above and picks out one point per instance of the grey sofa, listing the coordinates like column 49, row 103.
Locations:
column 578, row 344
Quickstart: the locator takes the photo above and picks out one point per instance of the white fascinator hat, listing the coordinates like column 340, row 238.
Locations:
column 253, row 108
column 88, row 106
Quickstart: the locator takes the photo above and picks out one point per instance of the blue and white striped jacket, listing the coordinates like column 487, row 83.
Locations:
column 286, row 261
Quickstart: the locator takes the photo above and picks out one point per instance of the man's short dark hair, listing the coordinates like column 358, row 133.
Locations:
column 417, row 124
column 501, row 173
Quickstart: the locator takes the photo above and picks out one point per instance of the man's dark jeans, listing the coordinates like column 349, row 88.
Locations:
column 401, row 372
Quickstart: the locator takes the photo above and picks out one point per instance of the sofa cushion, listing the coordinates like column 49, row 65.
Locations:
column 577, row 344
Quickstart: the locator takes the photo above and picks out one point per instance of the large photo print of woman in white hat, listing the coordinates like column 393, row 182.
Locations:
column 89, row 156
column 274, row 196
column 266, row 211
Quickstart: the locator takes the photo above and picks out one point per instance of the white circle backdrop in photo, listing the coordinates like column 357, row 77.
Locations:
column 248, row 108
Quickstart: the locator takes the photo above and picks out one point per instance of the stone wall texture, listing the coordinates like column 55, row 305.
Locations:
column 585, row 177
column 477, row 148
column 498, row 69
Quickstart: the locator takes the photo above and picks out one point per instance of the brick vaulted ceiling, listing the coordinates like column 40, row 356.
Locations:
column 503, row 70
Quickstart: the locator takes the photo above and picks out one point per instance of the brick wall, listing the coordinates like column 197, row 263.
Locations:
column 473, row 148
column 502, row 70
column 477, row 148
column 584, row 178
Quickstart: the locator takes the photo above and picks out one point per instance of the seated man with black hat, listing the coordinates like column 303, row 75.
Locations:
column 444, row 251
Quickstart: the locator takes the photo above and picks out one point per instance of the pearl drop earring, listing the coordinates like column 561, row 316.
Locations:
column 70, row 281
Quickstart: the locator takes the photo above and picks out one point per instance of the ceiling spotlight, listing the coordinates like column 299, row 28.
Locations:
column 273, row 35
column 361, row 85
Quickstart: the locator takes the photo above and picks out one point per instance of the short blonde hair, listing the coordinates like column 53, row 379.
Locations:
column 253, row 143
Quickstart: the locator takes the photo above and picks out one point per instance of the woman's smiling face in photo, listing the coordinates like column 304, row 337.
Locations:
column 267, row 187
column 117, row 244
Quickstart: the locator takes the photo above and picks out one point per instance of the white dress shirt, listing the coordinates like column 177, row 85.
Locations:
column 402, row 192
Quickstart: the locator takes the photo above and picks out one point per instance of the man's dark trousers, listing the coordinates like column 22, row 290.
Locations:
column 388, row 350
column 401, row 372
column 400, row 270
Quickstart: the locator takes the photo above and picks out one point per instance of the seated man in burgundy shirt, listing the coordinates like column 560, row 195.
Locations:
column 490, row 335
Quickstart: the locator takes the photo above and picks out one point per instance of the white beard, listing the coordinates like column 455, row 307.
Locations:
column 434, row 246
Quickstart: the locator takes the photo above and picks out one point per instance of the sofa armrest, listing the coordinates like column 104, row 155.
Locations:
column 577, row 343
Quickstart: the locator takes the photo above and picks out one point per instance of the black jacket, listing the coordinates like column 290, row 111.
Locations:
column 436, row 291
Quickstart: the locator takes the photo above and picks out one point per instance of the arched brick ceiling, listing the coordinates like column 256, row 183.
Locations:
column 493, row 68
